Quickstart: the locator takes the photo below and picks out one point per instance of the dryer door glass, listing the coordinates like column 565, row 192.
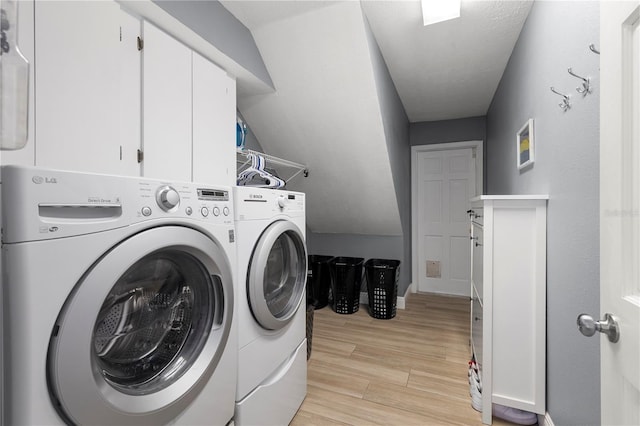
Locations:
column 277, row 275
column 154, row 322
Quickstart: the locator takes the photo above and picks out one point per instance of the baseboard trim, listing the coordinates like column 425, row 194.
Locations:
column 545, row 420
column 400, row 301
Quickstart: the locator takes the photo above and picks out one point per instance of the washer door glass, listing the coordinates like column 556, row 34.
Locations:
column 143, row 330
column 154, row 322
column 278, row 275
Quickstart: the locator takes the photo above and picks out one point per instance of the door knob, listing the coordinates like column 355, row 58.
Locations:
column 609, row 326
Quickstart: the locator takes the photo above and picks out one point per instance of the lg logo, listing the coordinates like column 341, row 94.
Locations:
column 39, row 179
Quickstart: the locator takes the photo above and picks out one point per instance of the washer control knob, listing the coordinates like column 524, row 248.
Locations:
column 225, row 211
column 216, row 211
column 204, row 211
column 188, row 211
column 146, row 211
column 167, row 198
column 281, row 201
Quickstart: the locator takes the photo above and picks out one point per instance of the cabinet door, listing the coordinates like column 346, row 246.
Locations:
column 477, row 270
column 476, row 329
column 166, row 106
column 26, row 155
column 214, row 124
column 130, row 90
column 77, row 85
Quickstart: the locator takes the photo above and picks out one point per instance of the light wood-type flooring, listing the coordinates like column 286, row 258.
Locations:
column 409, row 370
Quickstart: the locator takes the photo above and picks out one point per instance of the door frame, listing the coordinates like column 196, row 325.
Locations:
column 478, row 145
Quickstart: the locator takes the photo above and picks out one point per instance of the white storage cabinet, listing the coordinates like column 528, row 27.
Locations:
column 99, row 99
column 508, row 307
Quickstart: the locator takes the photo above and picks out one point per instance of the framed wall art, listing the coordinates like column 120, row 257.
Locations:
column 525, row 144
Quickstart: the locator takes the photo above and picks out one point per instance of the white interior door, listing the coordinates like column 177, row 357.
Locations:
column 619, row 209
column 445, row 184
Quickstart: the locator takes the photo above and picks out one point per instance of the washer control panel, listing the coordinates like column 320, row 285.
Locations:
column 42, row 204
column 186, row 200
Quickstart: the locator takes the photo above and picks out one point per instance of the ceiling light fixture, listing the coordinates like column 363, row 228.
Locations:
column 434, row 11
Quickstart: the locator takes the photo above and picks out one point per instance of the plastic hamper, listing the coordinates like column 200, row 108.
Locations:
column 318, row 280
column 346, row 279
column 382, row 287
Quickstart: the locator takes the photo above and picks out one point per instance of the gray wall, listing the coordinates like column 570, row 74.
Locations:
column 462, row 129
column 219, row 27
column 556, row 36
column 458, row 130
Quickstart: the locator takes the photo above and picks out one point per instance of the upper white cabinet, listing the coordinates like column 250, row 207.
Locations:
column 189, row 110
column 166, row 106
column 77, row 86
column 509, row 300
column 101, row 101
column 214, row 120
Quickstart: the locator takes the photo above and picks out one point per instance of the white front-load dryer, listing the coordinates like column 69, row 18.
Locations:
column 272, row 271
column 118, row 300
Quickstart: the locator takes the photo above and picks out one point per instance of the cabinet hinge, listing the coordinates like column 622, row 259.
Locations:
column 140, row 156
column 140, row 43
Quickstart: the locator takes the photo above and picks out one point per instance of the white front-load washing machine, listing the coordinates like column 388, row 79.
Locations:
column 272, row 272
column 118, row 300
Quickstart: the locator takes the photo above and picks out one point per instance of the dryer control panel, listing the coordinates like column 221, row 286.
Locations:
column 260, row 203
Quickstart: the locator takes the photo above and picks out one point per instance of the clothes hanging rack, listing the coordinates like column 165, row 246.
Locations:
column 286, row 170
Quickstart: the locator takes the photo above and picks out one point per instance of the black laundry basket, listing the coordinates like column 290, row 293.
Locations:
column 382, row 287
column 310, row 310
column 346, row 279
column 318, row 280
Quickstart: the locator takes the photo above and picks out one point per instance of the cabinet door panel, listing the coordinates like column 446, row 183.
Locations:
column 130, row 99
column 77, row 85
column 214, row 121
column 26, row 155
column 477, row 271
column 167, row 106
column 476, row 329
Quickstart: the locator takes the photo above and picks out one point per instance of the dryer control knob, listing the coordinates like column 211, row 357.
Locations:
column 167, row 198
column 281, row 201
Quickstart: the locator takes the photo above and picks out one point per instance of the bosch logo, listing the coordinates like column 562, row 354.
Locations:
column 39, row 180
column 255, row 196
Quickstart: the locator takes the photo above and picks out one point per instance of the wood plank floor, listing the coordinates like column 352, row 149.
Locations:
column 410, row 370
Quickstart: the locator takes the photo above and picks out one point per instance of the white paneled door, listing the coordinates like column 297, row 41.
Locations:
column 619, row 210
column 445, row 184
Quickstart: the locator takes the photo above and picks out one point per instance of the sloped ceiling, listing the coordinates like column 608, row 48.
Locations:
column 325, row 110
column 325, row 113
